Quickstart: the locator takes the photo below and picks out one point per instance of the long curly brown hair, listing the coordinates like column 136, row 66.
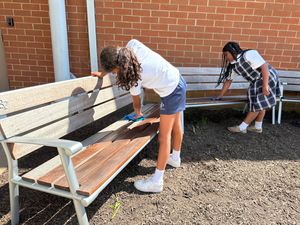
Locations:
column 126, row 61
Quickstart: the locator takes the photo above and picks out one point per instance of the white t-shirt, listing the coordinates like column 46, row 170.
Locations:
column 157, row 73
column 253, row 57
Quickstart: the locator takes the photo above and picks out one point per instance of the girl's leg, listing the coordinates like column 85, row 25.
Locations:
column 242, row 128
column 258, row 122
column 165, row 130
column 155, row 182
column 250, row 117
column 260, row 116
column 177, row 133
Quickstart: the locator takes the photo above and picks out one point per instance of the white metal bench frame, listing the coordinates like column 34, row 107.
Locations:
column 290, row 82
column 66, row 148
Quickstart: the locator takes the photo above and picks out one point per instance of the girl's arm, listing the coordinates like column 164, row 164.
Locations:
column 225, row 87
column 265, row 76
column 137, row 105
column 98, row 74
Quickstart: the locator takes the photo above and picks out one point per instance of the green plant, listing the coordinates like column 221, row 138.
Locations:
column 115, row 207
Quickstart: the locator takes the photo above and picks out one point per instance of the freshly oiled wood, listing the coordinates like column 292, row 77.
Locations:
column 32, row 96
column 148, row 110
column 68, row 125
column 86, row 170
column 109, row 167
column 39, row 171
column 14, row 125
column 52, row 170
column 77, row 160
column 57, row 173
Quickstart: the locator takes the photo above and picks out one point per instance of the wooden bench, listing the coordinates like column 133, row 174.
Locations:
column 290, row 83
column 204, row 79
column 40, row 115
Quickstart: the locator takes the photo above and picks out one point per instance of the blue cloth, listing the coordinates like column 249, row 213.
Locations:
column 131, row 117
column 175, row 102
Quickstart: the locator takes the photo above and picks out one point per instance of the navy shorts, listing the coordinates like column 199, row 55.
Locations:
column 174, row 102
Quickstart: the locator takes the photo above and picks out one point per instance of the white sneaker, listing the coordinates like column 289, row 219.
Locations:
column 148, row 185
column 174, row 163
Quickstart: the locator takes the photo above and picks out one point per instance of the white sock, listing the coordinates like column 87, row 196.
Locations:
column 243, row 126
column 176, row 155
column 158, row 176
column 258, row 125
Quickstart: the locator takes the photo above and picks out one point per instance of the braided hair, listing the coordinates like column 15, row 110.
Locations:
column 227, row 67
column 126, row 61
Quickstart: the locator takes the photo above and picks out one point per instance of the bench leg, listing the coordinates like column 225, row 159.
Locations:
column 14, row 202
column 279, row 112
column 273, row 115
column 81, row 213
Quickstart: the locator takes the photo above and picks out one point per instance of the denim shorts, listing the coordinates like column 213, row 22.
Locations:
column 174, row 102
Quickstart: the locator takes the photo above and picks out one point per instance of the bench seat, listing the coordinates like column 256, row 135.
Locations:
column 97, row 162
column 206, row 101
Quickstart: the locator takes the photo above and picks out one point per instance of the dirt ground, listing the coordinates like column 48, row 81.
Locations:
column 224, row 179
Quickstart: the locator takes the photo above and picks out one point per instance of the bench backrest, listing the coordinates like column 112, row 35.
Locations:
column 205, row 79
column 56, row 109
column 290, row 80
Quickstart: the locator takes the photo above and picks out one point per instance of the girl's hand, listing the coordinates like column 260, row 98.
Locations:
column 97, row 74
column 138, row 115
column 218, row 98
column 266, row 91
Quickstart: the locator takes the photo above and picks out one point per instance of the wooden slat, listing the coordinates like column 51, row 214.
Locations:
column 92, row 171
column 206, row 100
column 206, row 79
column 24, row 98
column 123, row 132
column 148, row 110
column 290, row 80
column 57, row 173
column 86, row 170
column 291, row 88
column 199, row 70
column 109, row 133
column 287, row 73
column 36, row 118
column 109, row 167
column 209, row 86
column 68, row 125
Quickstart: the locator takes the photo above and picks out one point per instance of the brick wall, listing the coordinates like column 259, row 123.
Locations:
column 187, row 33
column 28, row 44
column 193, row 34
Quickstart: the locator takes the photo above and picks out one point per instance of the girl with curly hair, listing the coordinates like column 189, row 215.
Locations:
column 137, row 66
column 263, row 83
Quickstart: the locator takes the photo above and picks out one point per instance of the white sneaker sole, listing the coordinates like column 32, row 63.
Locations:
column 173, row 163
column 142, row 189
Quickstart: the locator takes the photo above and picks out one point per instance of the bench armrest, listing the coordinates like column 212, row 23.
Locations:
column 70, row 147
